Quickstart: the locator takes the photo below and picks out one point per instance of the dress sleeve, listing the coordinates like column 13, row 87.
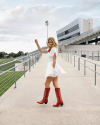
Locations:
column 54, row 51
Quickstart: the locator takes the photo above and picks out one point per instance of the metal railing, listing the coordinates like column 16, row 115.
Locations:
column 77, row 59
column 94, row 55
column 11, row 71
column 85, row 34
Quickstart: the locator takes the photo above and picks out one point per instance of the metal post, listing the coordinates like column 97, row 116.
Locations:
column 23, row 60
column 92, row 55
column 32, row 59
column 24, row 69
column 84, row 67
column 71, row 58
column 68, row 57
column 79, row 63
column 35, row 59
column 15, row 73
column 38, row 57
column 74, row 61
column 29, row 63
column 98, row 55
column 95, row 74
column 33, row 63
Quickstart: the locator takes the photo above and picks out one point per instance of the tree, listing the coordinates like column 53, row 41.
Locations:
column 1, row 55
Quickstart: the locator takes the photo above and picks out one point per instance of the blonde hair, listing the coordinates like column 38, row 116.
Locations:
column 54, row 42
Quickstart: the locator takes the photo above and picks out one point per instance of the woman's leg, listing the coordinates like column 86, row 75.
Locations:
column 46, row 91
column 55, row 82
column 48, row 81
column 57, row 92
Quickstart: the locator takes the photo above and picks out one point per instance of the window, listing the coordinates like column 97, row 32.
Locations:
column 69, row 30
column 76, row 34
column 66, row 32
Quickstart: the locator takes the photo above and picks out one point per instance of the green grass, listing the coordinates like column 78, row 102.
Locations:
column 8, row 79
column 7, row 66
column 7, row 60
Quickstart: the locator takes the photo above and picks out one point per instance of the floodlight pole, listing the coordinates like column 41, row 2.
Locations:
column 47, row 23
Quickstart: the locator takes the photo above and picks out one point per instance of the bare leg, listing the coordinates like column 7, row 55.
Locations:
column 55, row 82
column 48, row 81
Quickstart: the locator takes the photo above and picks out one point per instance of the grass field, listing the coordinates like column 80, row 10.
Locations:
column 8, row 79
column 7, row 66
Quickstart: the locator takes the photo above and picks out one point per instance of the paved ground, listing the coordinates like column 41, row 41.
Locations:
column 18, row 106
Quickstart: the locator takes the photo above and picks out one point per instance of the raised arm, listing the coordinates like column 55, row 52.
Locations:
column 40, row 49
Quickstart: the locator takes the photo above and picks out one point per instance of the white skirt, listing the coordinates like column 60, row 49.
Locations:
column 53, row 72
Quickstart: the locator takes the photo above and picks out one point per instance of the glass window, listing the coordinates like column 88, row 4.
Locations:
column 66, row 32
column 69, row 30
column 76, row 34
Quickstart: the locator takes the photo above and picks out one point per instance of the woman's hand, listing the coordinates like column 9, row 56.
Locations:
column 53, row 67
column 36, row 41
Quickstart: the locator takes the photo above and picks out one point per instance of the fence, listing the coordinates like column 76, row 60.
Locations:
column 11, row 71
column 69, row 57
column 94, row 55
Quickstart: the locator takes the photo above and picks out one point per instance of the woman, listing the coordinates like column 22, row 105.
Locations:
column 52, row 72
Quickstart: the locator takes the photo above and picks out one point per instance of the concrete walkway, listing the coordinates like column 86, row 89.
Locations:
column 18, row 106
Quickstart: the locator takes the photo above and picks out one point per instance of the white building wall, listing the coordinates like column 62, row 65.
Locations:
column 84, row 25
column 91, row 23
column 87, row 25
column 81, row 25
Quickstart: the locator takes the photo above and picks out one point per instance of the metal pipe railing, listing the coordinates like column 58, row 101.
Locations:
column 88, row 54
column 77, row 59
column 9, row 73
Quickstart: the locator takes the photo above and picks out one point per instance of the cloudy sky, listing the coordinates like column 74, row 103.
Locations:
column 23, row 21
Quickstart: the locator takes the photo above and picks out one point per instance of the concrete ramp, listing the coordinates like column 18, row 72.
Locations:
column 18, row 106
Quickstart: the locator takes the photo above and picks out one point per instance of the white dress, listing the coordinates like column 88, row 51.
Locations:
column 50, row 71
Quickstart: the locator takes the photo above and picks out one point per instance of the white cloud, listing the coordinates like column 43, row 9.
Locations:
column 23, row 26
column 14, row 14
column 2, row 1
column 32, row 1
column 90, row 3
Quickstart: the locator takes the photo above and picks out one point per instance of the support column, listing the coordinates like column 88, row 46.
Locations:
column 96, row 42
column 64, row 49
column 87, row 42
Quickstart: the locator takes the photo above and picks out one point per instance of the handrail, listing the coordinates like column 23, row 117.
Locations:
column 6, row 80
column 87, row 53
column 85, row 60
column 15, row 60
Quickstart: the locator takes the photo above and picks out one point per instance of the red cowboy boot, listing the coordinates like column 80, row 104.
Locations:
column 59, row 98
column 45, row 97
